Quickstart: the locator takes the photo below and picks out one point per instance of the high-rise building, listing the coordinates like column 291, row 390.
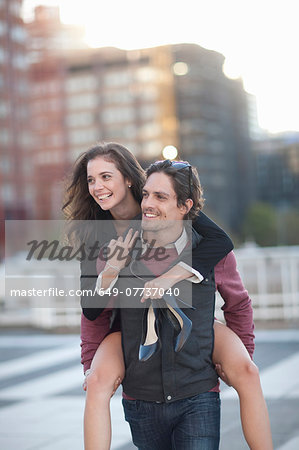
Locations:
column 48, row 35
column 146, row 99
column 255, row 131
column 213, row 130
column 97, row 95
column 49, row 41
column 277, row 170
column 16, row 195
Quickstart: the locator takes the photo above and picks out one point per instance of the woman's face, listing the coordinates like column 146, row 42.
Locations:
column 106, row 183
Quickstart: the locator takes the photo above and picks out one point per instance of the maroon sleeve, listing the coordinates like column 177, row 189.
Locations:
column 237, row 306
column 92, row 334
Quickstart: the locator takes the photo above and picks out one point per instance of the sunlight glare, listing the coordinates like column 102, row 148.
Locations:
column 258, row 39
column 170, row 152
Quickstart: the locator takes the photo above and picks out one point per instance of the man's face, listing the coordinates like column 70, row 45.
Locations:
column 159, row 204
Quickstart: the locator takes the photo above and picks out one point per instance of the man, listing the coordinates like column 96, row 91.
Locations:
column 172, row 406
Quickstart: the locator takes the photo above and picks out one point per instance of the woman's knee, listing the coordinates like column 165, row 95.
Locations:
column 244, row 374
column 249, row 369
column 103, row 383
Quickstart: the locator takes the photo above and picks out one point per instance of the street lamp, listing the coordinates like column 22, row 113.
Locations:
column 170, row 152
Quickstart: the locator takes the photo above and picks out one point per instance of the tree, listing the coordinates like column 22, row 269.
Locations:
column 261, row 224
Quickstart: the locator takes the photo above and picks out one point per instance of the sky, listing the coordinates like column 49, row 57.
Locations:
column 259, row 39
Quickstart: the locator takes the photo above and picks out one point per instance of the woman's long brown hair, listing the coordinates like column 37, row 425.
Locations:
column 79, row 204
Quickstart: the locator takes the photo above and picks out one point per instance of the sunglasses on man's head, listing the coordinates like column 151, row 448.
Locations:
column 180, row 165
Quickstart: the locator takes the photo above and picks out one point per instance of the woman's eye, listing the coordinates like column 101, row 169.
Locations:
column 89, row 180
column 106, row 177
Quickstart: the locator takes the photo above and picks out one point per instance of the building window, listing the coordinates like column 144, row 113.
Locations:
column 3, row 55
column 18, row 34
column 148, row 112
column 117, row 96
column 152, row 149
column 15, row 8
column 24, row 139
column 147, row 75
column 81, row 83
column 86, row 137
column 81, row 119
column 83, row 101
column 149, row 130
column 119, row 78
column 121, row 114
column 216, row 146
column 8, row 194
column 55, row 140
column 4, row 109
column 6, row 164
column 121, row 132
column 5, row 137
column 3, row 28
column 20, row 61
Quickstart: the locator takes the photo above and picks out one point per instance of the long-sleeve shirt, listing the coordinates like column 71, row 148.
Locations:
column 237, row 311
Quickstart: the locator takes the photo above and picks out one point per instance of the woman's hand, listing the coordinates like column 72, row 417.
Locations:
column 118, row 250
column 116, row 384
column 222, row 374
column 156, row 288
column 84, row 385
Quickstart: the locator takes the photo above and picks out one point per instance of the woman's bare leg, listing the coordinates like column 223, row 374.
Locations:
column 243, row 375
column 107, row 372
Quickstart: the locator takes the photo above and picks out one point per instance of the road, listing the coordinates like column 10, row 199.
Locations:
column 42, row 401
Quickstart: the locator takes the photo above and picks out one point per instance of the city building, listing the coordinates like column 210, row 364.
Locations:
column 212, row 113
column 255, row 131
column 146, row 99
column 47, row 35
column 49, row 41
column 16, row 193
column 277, row 170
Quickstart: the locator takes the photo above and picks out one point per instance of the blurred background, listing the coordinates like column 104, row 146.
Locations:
column 215, row 83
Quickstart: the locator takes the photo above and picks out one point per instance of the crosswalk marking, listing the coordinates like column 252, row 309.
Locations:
column 63, row 413
column 39, row 340
column 38, row 360
column 277, row 381
column 47, row 416
column 45, row 385
column 292, row 444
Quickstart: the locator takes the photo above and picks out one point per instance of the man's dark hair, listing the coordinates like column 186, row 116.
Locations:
column 185, row 181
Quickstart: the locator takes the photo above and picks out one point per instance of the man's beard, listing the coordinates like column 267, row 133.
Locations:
column 156, row 226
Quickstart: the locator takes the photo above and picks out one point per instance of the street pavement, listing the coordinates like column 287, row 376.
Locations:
column 42, row 400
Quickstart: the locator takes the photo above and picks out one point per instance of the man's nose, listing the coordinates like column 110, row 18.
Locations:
column 147, row 202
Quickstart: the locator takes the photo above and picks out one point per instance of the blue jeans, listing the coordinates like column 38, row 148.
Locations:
column 189, row 424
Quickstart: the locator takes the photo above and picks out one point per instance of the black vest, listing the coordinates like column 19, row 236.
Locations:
column 168, row 376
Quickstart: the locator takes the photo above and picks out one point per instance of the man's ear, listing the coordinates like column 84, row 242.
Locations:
column 187, row 206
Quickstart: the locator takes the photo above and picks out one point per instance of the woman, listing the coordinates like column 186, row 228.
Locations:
column 110, row 177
